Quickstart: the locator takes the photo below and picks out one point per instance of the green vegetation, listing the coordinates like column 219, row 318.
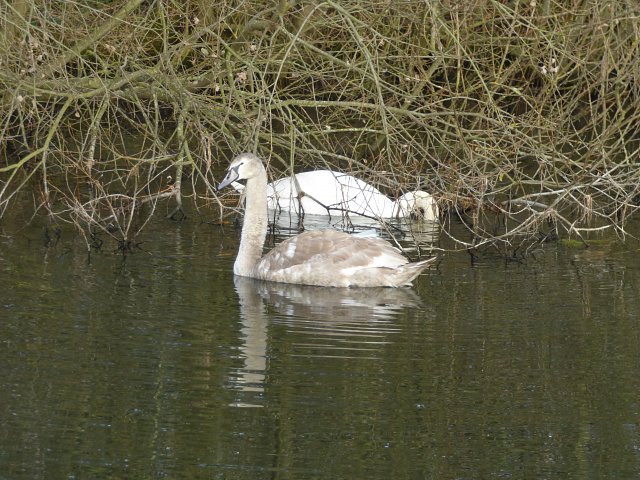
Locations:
column 519, row 116
column 580, row 244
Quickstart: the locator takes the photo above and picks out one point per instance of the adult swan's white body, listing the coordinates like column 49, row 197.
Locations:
column 325, row 192
column 322, row 257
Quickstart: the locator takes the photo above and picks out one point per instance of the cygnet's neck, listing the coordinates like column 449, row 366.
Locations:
column 254, row 227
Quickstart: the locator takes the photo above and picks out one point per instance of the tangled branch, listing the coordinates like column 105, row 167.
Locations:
column 521, row 119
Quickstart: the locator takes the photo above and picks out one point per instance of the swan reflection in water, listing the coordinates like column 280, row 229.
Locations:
column 326, row 323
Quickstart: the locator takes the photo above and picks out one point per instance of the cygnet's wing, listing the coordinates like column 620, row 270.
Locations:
column 327, row 257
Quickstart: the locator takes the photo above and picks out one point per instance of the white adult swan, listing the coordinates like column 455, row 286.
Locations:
column 325, row 192
column 323, row 257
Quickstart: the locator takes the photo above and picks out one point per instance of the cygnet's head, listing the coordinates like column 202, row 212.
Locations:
column 243, row 167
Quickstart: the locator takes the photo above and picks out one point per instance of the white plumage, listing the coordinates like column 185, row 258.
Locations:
column 321, row 257
column 325, row 192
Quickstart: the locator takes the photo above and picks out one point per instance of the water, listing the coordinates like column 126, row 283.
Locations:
column 162, row 365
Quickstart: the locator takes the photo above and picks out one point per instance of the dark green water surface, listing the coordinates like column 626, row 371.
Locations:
column 160, row 365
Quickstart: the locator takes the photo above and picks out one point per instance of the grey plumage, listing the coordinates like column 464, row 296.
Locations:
column 322, row 257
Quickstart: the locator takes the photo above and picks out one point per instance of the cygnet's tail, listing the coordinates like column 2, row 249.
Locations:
column 405, row 274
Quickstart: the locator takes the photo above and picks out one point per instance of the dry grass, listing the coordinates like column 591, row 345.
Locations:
column 520, row 117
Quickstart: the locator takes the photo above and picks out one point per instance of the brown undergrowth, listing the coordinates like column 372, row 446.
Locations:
column 520, row 117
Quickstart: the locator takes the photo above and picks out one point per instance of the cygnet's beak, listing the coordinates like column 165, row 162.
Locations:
column 232, row 176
